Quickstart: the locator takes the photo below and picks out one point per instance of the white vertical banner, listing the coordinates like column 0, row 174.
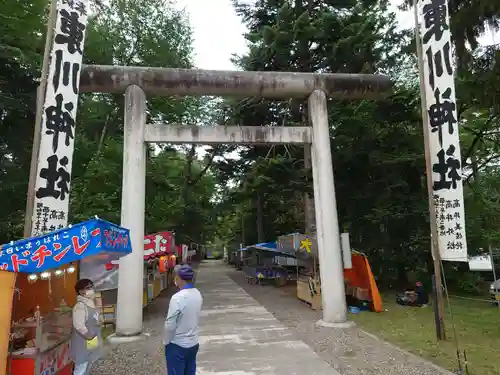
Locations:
column 443, row 128
column 55, row 158
column 346, row 250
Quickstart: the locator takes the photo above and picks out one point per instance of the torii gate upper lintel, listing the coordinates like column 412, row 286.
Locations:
column 136, row 82
column 196, row 82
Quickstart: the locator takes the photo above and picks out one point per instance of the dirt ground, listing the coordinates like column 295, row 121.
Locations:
column 350, row 352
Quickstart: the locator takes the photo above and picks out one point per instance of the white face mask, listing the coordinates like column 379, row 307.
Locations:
column 90, row 293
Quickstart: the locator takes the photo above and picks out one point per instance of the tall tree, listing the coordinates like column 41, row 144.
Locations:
column 376, row 147
column 21, row 46
column 138, row 32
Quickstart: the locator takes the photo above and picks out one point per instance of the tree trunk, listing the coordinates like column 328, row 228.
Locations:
column 310, row 219
column 260, row 218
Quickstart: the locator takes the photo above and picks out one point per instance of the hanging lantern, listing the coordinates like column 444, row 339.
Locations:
column 163, row 264
column 59, row 273
column 32, row 278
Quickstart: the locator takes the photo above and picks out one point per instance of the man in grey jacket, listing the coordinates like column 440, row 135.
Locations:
column 86, row 339
column 181, row 331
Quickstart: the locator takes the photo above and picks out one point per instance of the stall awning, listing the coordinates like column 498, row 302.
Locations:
column 94, row 240
column 158, row 244
column 267, row 246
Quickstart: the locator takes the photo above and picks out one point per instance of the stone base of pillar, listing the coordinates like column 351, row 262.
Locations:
column 115, row 339
column 343, row 325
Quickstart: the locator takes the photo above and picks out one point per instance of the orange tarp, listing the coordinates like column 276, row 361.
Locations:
column 361, row 276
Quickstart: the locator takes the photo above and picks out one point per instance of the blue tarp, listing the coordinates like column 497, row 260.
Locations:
column 267, row 246
column 96, row 238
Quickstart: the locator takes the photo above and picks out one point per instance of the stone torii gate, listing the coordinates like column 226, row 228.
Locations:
column 136, row 82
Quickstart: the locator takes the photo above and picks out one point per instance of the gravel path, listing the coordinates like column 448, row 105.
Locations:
column 141, row 357
column 145, row 356
column 350, row 352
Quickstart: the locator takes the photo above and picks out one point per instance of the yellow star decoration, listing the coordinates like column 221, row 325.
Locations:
column 306, row 244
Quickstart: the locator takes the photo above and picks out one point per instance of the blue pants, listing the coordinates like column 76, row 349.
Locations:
column 181, row 361
column 81, row 369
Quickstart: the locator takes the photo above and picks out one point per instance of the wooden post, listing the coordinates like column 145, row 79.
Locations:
column 40, row 99
column 8, row 279
column 492, row 260
column 439, row 304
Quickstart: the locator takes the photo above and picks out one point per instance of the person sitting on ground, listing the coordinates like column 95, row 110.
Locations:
column 414, row 297
column 422, row 296
column 181, row 331
column 407, row 298
column 86, row 339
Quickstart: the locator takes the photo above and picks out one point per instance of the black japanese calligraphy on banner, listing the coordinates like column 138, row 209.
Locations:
column 47, row 219
column 65, row 71
column 59, row 118
column 450, row 227
column 448, row 168
column 441, row 113
column 72, row 31
column 435, row 20
column 438, row 63
column 57, row 179
column 442, row 128
column 79, row 6
column 436, row 40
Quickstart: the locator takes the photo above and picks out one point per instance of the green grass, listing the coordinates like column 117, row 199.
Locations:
column 477, row 325
column 107, row 330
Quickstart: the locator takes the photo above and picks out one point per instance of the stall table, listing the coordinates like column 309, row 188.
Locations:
column 52, row 335
column 309, row 291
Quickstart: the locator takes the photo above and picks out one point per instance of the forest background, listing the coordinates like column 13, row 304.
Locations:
column 224, row 196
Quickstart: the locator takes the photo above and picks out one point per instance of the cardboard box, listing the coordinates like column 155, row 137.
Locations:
column 362, row 294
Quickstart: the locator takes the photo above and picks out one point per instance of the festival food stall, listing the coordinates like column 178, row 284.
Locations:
column 308, row 280
column 159, row 260
column 236, row 258
column 262, row 264
column 158, row 248
column 46, row 266
column 359, row 281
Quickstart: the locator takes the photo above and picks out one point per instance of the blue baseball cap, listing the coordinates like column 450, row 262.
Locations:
column 185, row 272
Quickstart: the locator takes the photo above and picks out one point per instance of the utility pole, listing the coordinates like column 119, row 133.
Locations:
column 439, row 303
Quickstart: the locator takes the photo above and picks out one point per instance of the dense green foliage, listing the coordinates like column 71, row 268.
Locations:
column 123, row 32
column 377, row 147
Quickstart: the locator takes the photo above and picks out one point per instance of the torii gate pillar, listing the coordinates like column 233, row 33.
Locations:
column 131, row 270
column 137, row 81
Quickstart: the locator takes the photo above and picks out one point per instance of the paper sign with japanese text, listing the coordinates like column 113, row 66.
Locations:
column 92, row 241
column 443, row 128
column 53, row 178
